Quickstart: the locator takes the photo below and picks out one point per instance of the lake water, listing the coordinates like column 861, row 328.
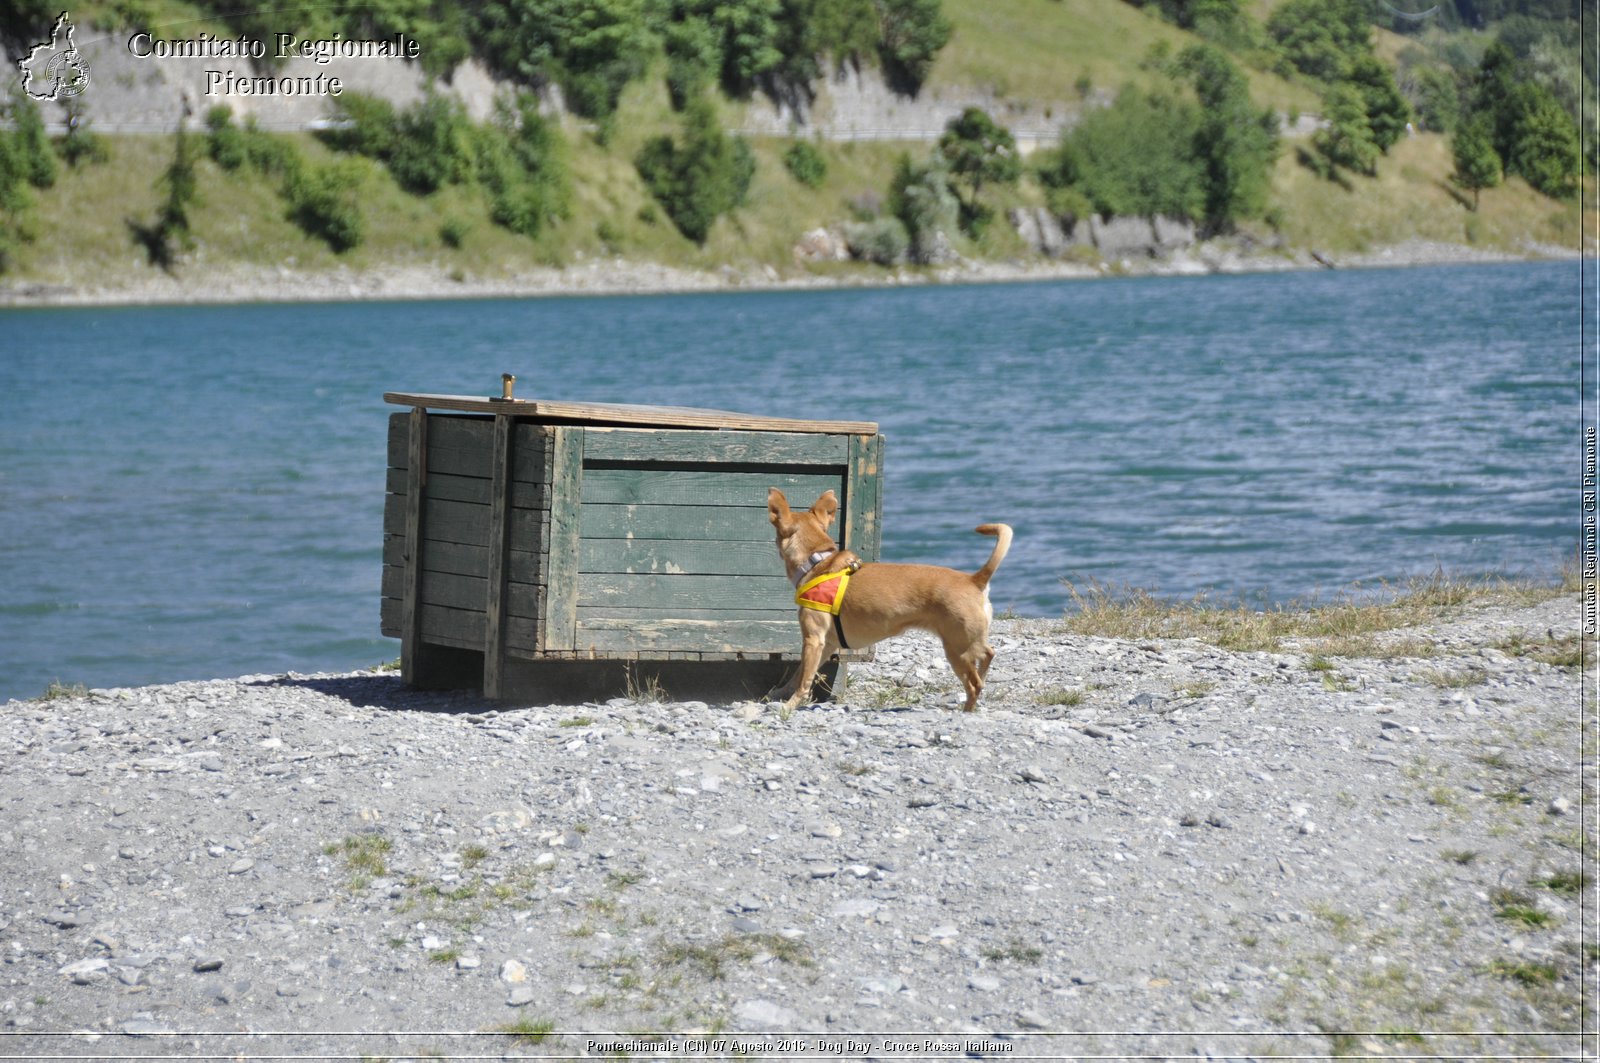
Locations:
column 194, row 492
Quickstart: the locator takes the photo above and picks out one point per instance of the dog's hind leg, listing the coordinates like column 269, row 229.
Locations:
column 970, row 672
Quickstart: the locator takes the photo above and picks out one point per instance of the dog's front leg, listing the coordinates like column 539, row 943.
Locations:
column 816, row 645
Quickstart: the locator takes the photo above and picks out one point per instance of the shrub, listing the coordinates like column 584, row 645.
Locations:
column 521, row 159
column 1135, row 157
column 806, row 164
column 884, row 241
column 33, row 157
column 453, row 232
column 233, row 147
column 700, row 179
column 979, row 151
column 80, row 144
column 921, row 198
column 324, row 202
column 363, row 125
column 432, row 145
column 225, row 141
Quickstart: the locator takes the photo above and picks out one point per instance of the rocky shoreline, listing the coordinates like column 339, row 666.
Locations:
column 224, row 284
column 1155, row 848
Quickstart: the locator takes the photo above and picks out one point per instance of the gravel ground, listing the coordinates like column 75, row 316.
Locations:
column 1153, row 848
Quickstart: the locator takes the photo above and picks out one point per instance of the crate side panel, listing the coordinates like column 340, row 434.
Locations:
column 667, row 592
column 613, row 635
column 700, row 486
column 711, row 557
column 710, row 447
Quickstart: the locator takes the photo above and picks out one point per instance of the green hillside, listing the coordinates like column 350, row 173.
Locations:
column 1061, row 56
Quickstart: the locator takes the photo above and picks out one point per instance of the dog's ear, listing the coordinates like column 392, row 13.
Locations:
column 825, row 507
column 777, row 507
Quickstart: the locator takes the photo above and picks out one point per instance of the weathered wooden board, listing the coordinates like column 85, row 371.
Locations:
column 685, row 592
column 699, row 486
column 730, row 523
column 475, row 489
column 466, row 523
column 609, row 635
column 599, row 413
column 708, row 557
column 461, row 446
column 462, row 560
column 720, row 448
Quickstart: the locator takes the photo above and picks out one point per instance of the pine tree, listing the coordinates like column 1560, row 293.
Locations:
column 1477, row 163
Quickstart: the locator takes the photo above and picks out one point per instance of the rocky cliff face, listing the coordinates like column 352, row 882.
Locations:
column 1113, row 238
column 133, row 93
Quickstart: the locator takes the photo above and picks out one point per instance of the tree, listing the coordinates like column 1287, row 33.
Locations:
column 1388, row 113
column 1321, row 38
column 910, row 34
column 1136, row 157
column 1235, row 143
column 1528, row 128
column 1477, row 163
column 593, row 48
column 1544, row 149
column 704, row 177
column 809, row 30
column 979, row 152
column 1347, row 141
column 170, row 232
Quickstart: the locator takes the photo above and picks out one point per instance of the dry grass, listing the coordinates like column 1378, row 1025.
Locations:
column 1344, row 627
column 1412, row 198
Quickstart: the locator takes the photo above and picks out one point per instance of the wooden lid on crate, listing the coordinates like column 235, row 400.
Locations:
column 609, row 413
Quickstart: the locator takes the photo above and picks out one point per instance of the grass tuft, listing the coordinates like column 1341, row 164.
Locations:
column 1340, row 627
column 529, row 1031
column 713, row 960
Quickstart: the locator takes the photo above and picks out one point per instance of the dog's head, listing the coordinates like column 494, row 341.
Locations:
column 800, row 534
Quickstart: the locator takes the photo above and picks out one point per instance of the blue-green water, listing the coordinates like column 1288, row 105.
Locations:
column 197, row 492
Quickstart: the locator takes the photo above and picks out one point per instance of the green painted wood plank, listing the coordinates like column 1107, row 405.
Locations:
column 701, row 486
column 467, row 593
column 462, row 560
column 499, row 539
column 712, row 557
column 412, row 523
column 460, row 446
column 476, row 489
column 561, row 571
column 860, row 529
column 466, row 523
column 463, row 628
column 756, row 448
column 685, row 592
column 733, row 523
column 616, row 612
column 603, row 635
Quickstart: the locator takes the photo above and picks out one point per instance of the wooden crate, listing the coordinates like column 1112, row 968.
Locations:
column 525, row 533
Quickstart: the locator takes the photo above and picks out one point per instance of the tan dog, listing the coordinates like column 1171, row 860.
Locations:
column 883, row 599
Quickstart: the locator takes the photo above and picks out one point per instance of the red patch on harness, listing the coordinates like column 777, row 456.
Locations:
column 824, row 594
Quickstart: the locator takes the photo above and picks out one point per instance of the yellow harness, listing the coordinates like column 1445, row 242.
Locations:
column 825, row 593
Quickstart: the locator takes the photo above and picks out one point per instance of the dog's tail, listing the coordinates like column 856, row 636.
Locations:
column 1003, row 533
